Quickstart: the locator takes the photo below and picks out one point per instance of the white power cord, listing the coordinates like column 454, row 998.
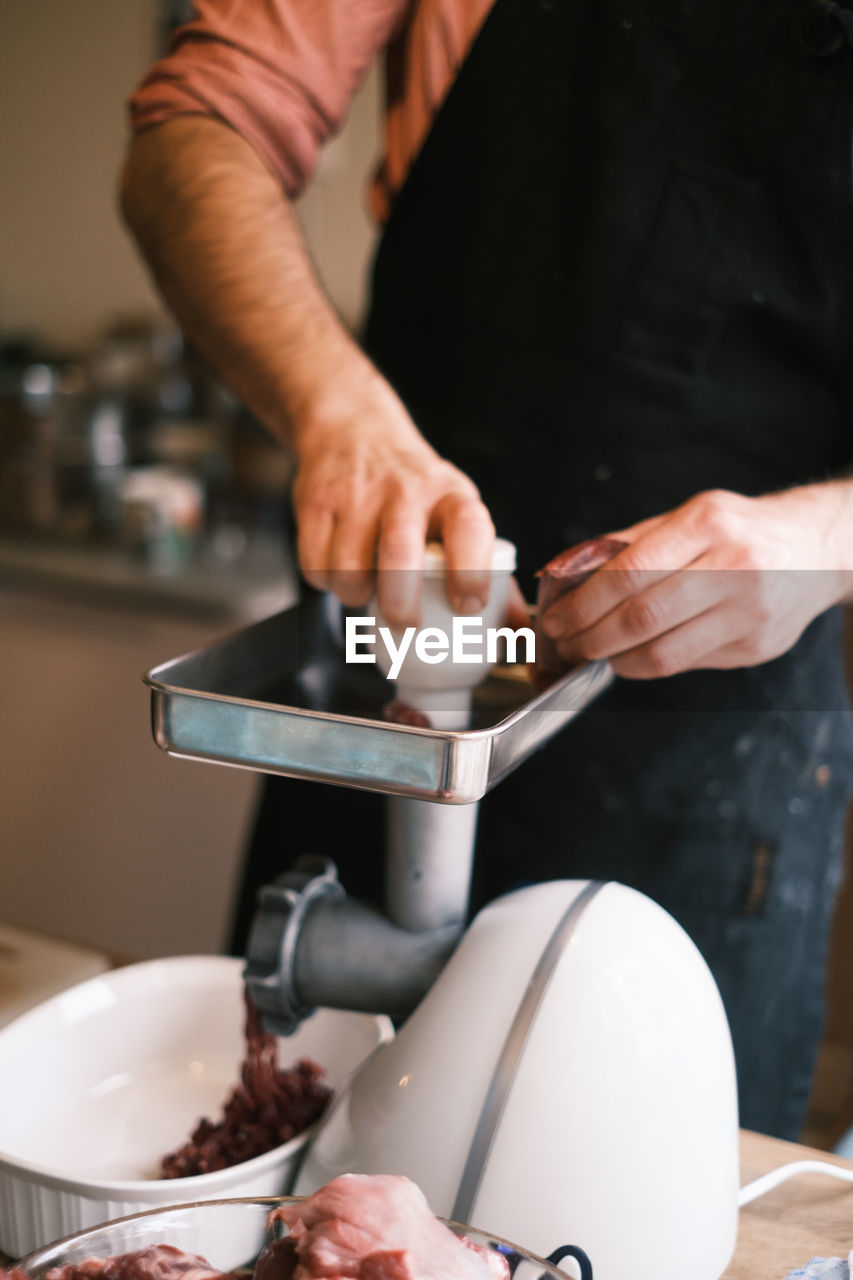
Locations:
column 768, row 1181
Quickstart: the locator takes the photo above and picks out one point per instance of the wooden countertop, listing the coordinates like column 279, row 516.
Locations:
column 809, row 1216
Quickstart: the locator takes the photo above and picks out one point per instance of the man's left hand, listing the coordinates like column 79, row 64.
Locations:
column 722, row 581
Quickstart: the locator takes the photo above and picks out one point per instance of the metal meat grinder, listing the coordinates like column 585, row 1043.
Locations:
column 563, row 1074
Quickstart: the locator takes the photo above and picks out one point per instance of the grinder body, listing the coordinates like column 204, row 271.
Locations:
column 569, row 1078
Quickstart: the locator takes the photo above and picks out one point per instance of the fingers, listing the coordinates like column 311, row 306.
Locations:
column 659, row 546
column 377, row 544
column 720, row 639
column 336, row 551
column 636, row 531
column 463, row 524
column 352, row 556
column 702, row 641
column 653, row 557
column 665, row 604
column 315, row 528
column 399, row 557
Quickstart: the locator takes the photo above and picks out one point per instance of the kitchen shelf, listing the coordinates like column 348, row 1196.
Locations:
column 253, row 587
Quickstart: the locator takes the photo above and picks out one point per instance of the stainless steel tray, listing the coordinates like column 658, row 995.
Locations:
column 278, row 697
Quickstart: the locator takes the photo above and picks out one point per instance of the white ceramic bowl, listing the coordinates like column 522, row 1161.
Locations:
column 100, row 1082
column 229, row 1234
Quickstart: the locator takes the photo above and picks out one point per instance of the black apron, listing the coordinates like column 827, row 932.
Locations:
column 620, row 273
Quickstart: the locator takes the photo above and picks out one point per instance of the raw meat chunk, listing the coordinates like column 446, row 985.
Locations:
column 157, row 1262
column 399, row 712
column 379, row 1227
column 560, row 575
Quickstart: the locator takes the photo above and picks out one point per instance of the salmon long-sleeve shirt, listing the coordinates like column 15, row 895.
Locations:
column 283, row 73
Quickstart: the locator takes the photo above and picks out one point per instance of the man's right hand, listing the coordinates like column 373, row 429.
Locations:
column 370, row 492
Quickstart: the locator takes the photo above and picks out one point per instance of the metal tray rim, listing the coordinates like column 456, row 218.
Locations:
column 440, row 764
column 466, row 735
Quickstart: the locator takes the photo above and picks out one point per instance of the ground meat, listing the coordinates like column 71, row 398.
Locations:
column 373, row 1228
column 268, row 1107
column 560, row 575
column 398, row 712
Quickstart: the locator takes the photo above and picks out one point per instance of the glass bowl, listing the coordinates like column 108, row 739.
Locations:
column 230, row 1234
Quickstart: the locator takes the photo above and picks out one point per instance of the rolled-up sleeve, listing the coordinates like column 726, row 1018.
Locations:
column 282, row 73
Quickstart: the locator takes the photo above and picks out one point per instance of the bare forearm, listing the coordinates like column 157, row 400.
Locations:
column 225, row 249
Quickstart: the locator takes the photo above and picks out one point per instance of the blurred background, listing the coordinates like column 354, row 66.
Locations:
column 142, row 509
column 142, row 513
